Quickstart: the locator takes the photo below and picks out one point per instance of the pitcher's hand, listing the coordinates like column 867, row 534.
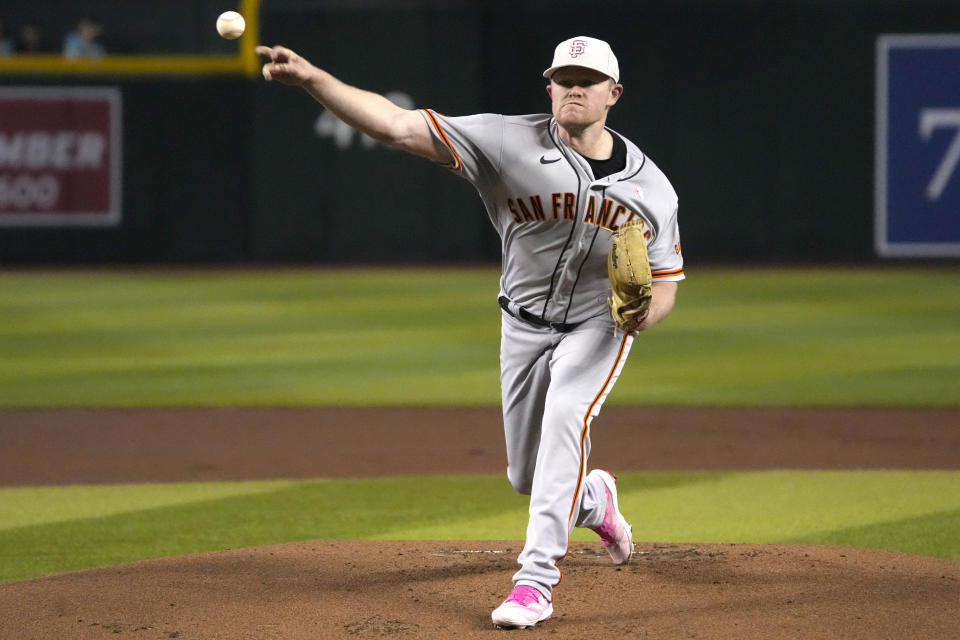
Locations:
column 285, row 66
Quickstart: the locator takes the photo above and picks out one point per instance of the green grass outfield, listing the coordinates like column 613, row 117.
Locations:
column 765, row 337
column 775, row 337
column 53, row 529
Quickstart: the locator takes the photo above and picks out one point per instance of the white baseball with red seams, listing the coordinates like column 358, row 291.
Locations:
column 231, row 25
column 559, row 354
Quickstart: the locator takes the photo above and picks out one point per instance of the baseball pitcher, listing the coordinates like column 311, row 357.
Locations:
column 591, row 258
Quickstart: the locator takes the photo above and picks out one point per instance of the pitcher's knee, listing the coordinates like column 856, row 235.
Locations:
column 522, row 482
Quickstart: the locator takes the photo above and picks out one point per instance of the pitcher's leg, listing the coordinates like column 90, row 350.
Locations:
column 524, row 379
column 583, row 369
column 593, row 503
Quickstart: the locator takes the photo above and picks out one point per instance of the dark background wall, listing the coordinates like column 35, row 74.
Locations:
column 761, row 113
column 129, row 26
column 186, row 178
column 316, row 200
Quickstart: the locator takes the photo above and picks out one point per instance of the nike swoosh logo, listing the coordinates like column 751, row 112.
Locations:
column 543, row 160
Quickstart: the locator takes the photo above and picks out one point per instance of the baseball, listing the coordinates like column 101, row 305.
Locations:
column 230, row 25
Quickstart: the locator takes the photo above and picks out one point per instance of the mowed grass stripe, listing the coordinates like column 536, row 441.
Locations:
column 764, row 337
column 47, row 530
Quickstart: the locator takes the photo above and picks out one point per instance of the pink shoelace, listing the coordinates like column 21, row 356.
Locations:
column 523, row 595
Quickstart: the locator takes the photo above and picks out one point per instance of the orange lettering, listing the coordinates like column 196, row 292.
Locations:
column 516, row 216
column 616, row 214
column 591, row 206
column 555, row 198
column 523, row 209
column 604, row 212
column 569, row 203
column 537, row 207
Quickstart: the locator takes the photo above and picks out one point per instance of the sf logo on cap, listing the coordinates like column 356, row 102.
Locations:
column 577, row 47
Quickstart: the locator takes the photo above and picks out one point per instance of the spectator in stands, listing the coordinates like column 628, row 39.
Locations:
column 29, row 39
column 83, row 41
column 6, row 47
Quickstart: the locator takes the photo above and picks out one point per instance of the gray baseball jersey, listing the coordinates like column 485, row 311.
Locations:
column 554, row 219
column 559, row 354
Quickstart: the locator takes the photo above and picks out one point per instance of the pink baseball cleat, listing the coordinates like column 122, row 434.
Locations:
column 615, row 533
column 524, row 607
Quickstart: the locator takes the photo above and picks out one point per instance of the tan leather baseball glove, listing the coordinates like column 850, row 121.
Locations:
column 630, row 282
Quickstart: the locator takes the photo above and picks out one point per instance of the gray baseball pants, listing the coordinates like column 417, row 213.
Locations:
column 553, row 385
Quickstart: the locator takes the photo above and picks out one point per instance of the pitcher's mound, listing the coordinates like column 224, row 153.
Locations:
column 367, row 589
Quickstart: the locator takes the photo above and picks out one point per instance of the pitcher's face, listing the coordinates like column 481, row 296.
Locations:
column 581, row 97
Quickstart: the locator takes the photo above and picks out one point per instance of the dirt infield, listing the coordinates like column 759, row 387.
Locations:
column 364, row 589
column 167, row 445
column 368, row 589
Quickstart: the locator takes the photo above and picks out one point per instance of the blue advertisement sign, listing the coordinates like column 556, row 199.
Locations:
column 918, row 146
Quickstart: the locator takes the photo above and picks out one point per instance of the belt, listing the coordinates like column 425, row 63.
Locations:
column 522, row 314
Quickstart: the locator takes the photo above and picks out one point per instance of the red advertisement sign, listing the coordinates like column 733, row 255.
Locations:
column 60, row 156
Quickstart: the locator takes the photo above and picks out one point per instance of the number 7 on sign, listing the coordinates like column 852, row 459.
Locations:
column 931, row 119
